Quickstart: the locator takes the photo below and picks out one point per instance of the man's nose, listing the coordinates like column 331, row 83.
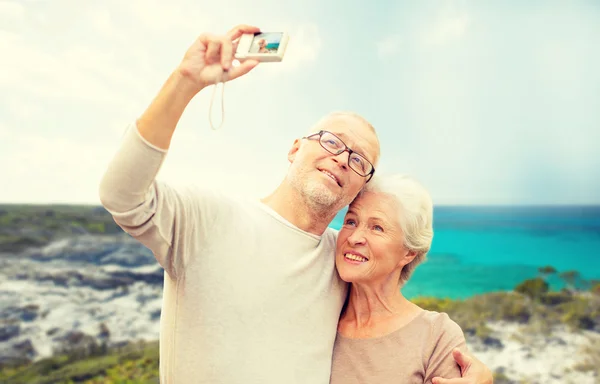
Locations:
column 342, row 159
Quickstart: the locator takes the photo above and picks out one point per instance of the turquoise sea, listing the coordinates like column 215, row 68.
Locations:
column 483, row 249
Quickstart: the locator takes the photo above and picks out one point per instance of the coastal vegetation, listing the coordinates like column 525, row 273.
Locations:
column 24, row 226
column 530, row 304
column 133, row 363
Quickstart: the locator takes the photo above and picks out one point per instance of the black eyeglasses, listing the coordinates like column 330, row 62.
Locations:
column 334, row 145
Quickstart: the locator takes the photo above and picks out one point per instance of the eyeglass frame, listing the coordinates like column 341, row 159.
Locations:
column 346, row 149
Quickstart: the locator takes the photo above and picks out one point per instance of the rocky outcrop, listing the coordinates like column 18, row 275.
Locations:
column 77, row 295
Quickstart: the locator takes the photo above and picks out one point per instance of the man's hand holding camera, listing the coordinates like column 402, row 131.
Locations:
column 209, row 59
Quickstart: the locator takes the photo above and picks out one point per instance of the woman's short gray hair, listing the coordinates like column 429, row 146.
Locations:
column 415, row 214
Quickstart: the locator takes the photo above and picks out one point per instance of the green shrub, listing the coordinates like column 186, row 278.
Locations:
column 555, row 298
column 137, row 362
column 533, row 288
column 595, row 287
column 547, row 270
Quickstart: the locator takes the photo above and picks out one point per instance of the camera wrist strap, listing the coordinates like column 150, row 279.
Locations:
column 210, row 108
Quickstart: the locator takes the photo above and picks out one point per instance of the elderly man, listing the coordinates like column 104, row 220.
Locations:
column 251, row 293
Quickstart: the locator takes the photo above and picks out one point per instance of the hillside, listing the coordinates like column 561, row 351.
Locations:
column 24, row 226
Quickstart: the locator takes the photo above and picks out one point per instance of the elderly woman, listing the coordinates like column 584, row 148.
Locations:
column 382, row 336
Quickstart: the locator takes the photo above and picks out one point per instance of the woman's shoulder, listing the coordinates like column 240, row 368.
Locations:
column 440, row 323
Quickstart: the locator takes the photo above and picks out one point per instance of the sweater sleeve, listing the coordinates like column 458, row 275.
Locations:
column 446, row 335
column 152, row 212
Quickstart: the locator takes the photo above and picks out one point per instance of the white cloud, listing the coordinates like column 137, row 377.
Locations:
column 8, row 40
column 163, row 17
column 42, row 169
column 303, row 47
column 11, row 13
column 446, row 24
column 100, row 20
column 76, row 73
column 448, row 27
column 388, row 46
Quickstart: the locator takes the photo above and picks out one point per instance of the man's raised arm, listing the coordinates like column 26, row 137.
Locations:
column 145, row 209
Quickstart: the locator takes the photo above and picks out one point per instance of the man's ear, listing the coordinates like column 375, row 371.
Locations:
column 294, row 150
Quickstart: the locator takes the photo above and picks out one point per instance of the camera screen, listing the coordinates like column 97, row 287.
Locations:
column 266, row 42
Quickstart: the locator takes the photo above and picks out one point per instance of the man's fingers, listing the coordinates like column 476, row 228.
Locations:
column 244, row 67
column 472, row 368
column 212, row 51
column 462, row 359
column 204, row 39
column 220, row 50
column 239, row 30
column 465, row 361
column 226, row 53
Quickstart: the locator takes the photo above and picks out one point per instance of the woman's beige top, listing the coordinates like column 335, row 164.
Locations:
column 415, row 353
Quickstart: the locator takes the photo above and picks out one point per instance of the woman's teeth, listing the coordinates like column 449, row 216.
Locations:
column 354, row 257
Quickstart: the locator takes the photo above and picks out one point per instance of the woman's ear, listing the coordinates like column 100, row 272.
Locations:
column 407, row 258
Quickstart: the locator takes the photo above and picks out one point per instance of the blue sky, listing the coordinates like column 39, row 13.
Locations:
column 484, row 102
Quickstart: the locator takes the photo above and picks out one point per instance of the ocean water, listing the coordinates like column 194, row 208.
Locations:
column 477, row 250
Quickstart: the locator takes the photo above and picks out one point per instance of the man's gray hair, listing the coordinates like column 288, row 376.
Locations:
column 415, row 214
column 317, row 126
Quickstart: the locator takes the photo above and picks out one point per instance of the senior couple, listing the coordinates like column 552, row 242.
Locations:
column 263, row 291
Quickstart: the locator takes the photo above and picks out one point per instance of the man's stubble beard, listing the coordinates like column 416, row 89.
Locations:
column 317, row 196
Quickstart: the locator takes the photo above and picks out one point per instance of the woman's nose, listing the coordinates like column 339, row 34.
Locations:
column 356, row 237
